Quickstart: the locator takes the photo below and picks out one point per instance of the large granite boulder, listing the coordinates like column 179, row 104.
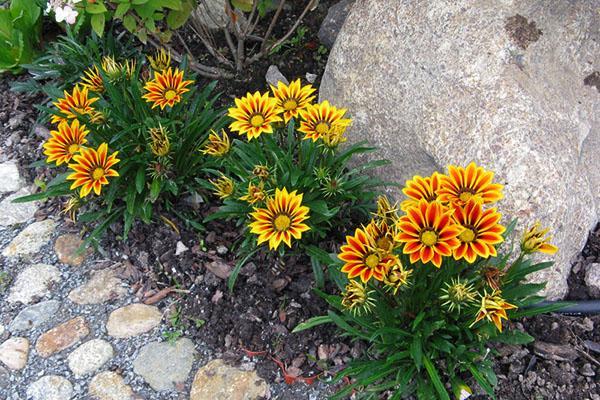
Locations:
column 511, row 85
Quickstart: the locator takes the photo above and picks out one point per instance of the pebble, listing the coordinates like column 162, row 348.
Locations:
column 16, row 213
column 311, row 78
column 219, row 381
column 50, row 387
column 14, row 352
column 102, row 286
column 31, row 239
column 222, row 250
column 133, row 320
column 592, row 280
column 10, row 179
column 34, row 316
column 109, row 385
column 587, row 370
column 33, row 282
column 180, row 248
column 274, row 76
column 66, row 248
column 163, row 365
column 90, row 356
column 61, row 337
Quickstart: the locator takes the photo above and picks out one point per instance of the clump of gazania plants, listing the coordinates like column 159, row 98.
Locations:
column 425, row 285
column 285, row 177
column 129, row 135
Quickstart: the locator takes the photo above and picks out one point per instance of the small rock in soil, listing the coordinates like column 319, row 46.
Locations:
column 133, row 320
column 102, row 286
column 222, row 250
column 554, row 352
column 218, row 381
column 50, row 387
column 274, row 76
column 219, row 268
column 14, row 352
column 587, row 370
column 311, row 78
column 180, row 248
column 592, row 280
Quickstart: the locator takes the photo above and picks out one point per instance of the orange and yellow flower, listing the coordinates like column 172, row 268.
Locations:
column 382, row 235
column 73, row 105
column 92, row 80
column 462, row 184
column 493, row 308
column 362, row 258
column 256, row 193
column 397, row 278
column 216, row 146
column 166, row 88
column 92, row 168
column 481, row 231
column 357, row 298
column 254, row 114
column 536, row 239
column 282, row 220
column 64, row 143
column 159, row 141
column 428, row 233
column 223, row 187
column 419, row 188
column 161, row 60
column 292, row 98
column 320, row 119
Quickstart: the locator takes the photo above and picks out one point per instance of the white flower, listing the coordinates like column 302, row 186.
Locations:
column 66, row 13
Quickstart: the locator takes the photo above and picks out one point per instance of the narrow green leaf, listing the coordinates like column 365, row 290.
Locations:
column 98, row 21
column 312, row 322
column 435, row 379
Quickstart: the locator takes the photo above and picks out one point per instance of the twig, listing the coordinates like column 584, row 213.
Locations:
column 272, row 25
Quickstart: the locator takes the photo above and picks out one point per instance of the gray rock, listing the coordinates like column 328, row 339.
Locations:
column 449, row 83
column 592, row 280
column 4, row 378
column 311, row 78
column 210, row 14
column 16, row 213
column 10, row 179
column 102, row 286
column 180, row 248
column 164, row 364
column 109, row 385
column 222, row 250
column 33, row 282
column 132, row 320
column 333, row 22
column 31, row 239
column 90, row 356
column 34, row 316
column 556, row 352
column 587, row 370
column 274, row 76
column 50, row 387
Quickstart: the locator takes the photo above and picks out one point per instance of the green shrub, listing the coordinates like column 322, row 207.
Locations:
column 20, row 27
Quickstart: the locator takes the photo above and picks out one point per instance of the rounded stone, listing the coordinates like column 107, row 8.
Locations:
column 219, row 381
column 31, row 239
column 102, row 286
column 34, row 316
column 66, row 248
column 10, row 179
column 132, row 320
column 50, row 387
column 33, row 282
column 17, row 213
column 109, row 385
column 592, row 280
column 90, row 356
column 61, row 337
column 14, row 352
column 164, row 364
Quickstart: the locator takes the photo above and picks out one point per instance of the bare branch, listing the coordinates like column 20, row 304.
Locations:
column 272, row 25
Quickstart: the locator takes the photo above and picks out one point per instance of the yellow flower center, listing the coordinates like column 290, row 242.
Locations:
column 170, row 94
column 257, row 120
column 282, row 222
column 429, row 238
column 465, row 196
column 97, row 174
column 372, row 261
column 322, row 128
column 467, row 236
column 290, row 104
column 74, row 148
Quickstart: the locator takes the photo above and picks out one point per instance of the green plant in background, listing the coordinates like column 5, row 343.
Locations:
column 20, row 27
column 290, row 184
column 427, row 290
column 131, row 146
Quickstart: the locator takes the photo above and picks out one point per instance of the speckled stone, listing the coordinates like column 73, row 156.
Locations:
column 50, row 387
column 90, row 356
column 132, row 320
column 10, row 179
column 518, row 108
column 31, row 239
column 164, row 364
column 219, row 381
column 592, row 280
column 109, row 385
column 34, row 316
column 66, row 247
column 16, row 213
column 61, row 337
column 14, row 352
column 33, row 282
column 102, row 286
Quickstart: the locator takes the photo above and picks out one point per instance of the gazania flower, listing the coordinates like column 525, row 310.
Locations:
column 382, row 235
column 92, row 167
column 161, row 60
column 536, row 239
column 357, row 298
column 159, row 141
column 73, row 105
column 92, row 80
column 493, row 308
column 457, row 293
column 419, row 188
column 428, row 232
column 481, row 231
column 493, row 277
column 320, row 119
column 334, row 137
column 292, row 98
column 256, row 193
column 282, row 220
column 462, row 184
column 64, row 143
column 385, row 210
column 223, row 187
column 362, row 258
column 261, row 172
column 129, row 67
column 166, row 88
column 111, row 67
column 397, row 278
column 71, row 207
column 254, row 114
column 216, row 146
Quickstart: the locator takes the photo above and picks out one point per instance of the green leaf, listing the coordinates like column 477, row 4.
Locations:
column 98, row 21
column 139, row 2
column 435, row 379
column 242, row 5
column 312, row 322
column 177, row 18
column 416, row 351
column 95, row 8
column 237, row 269
column 513, row 337
column 485, row 385
column 140, row 179
column 155, row 188
column 129, row 23
column 121, row 10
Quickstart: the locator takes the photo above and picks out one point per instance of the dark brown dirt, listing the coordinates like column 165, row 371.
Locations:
column 522, row 32
column 593, row 79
